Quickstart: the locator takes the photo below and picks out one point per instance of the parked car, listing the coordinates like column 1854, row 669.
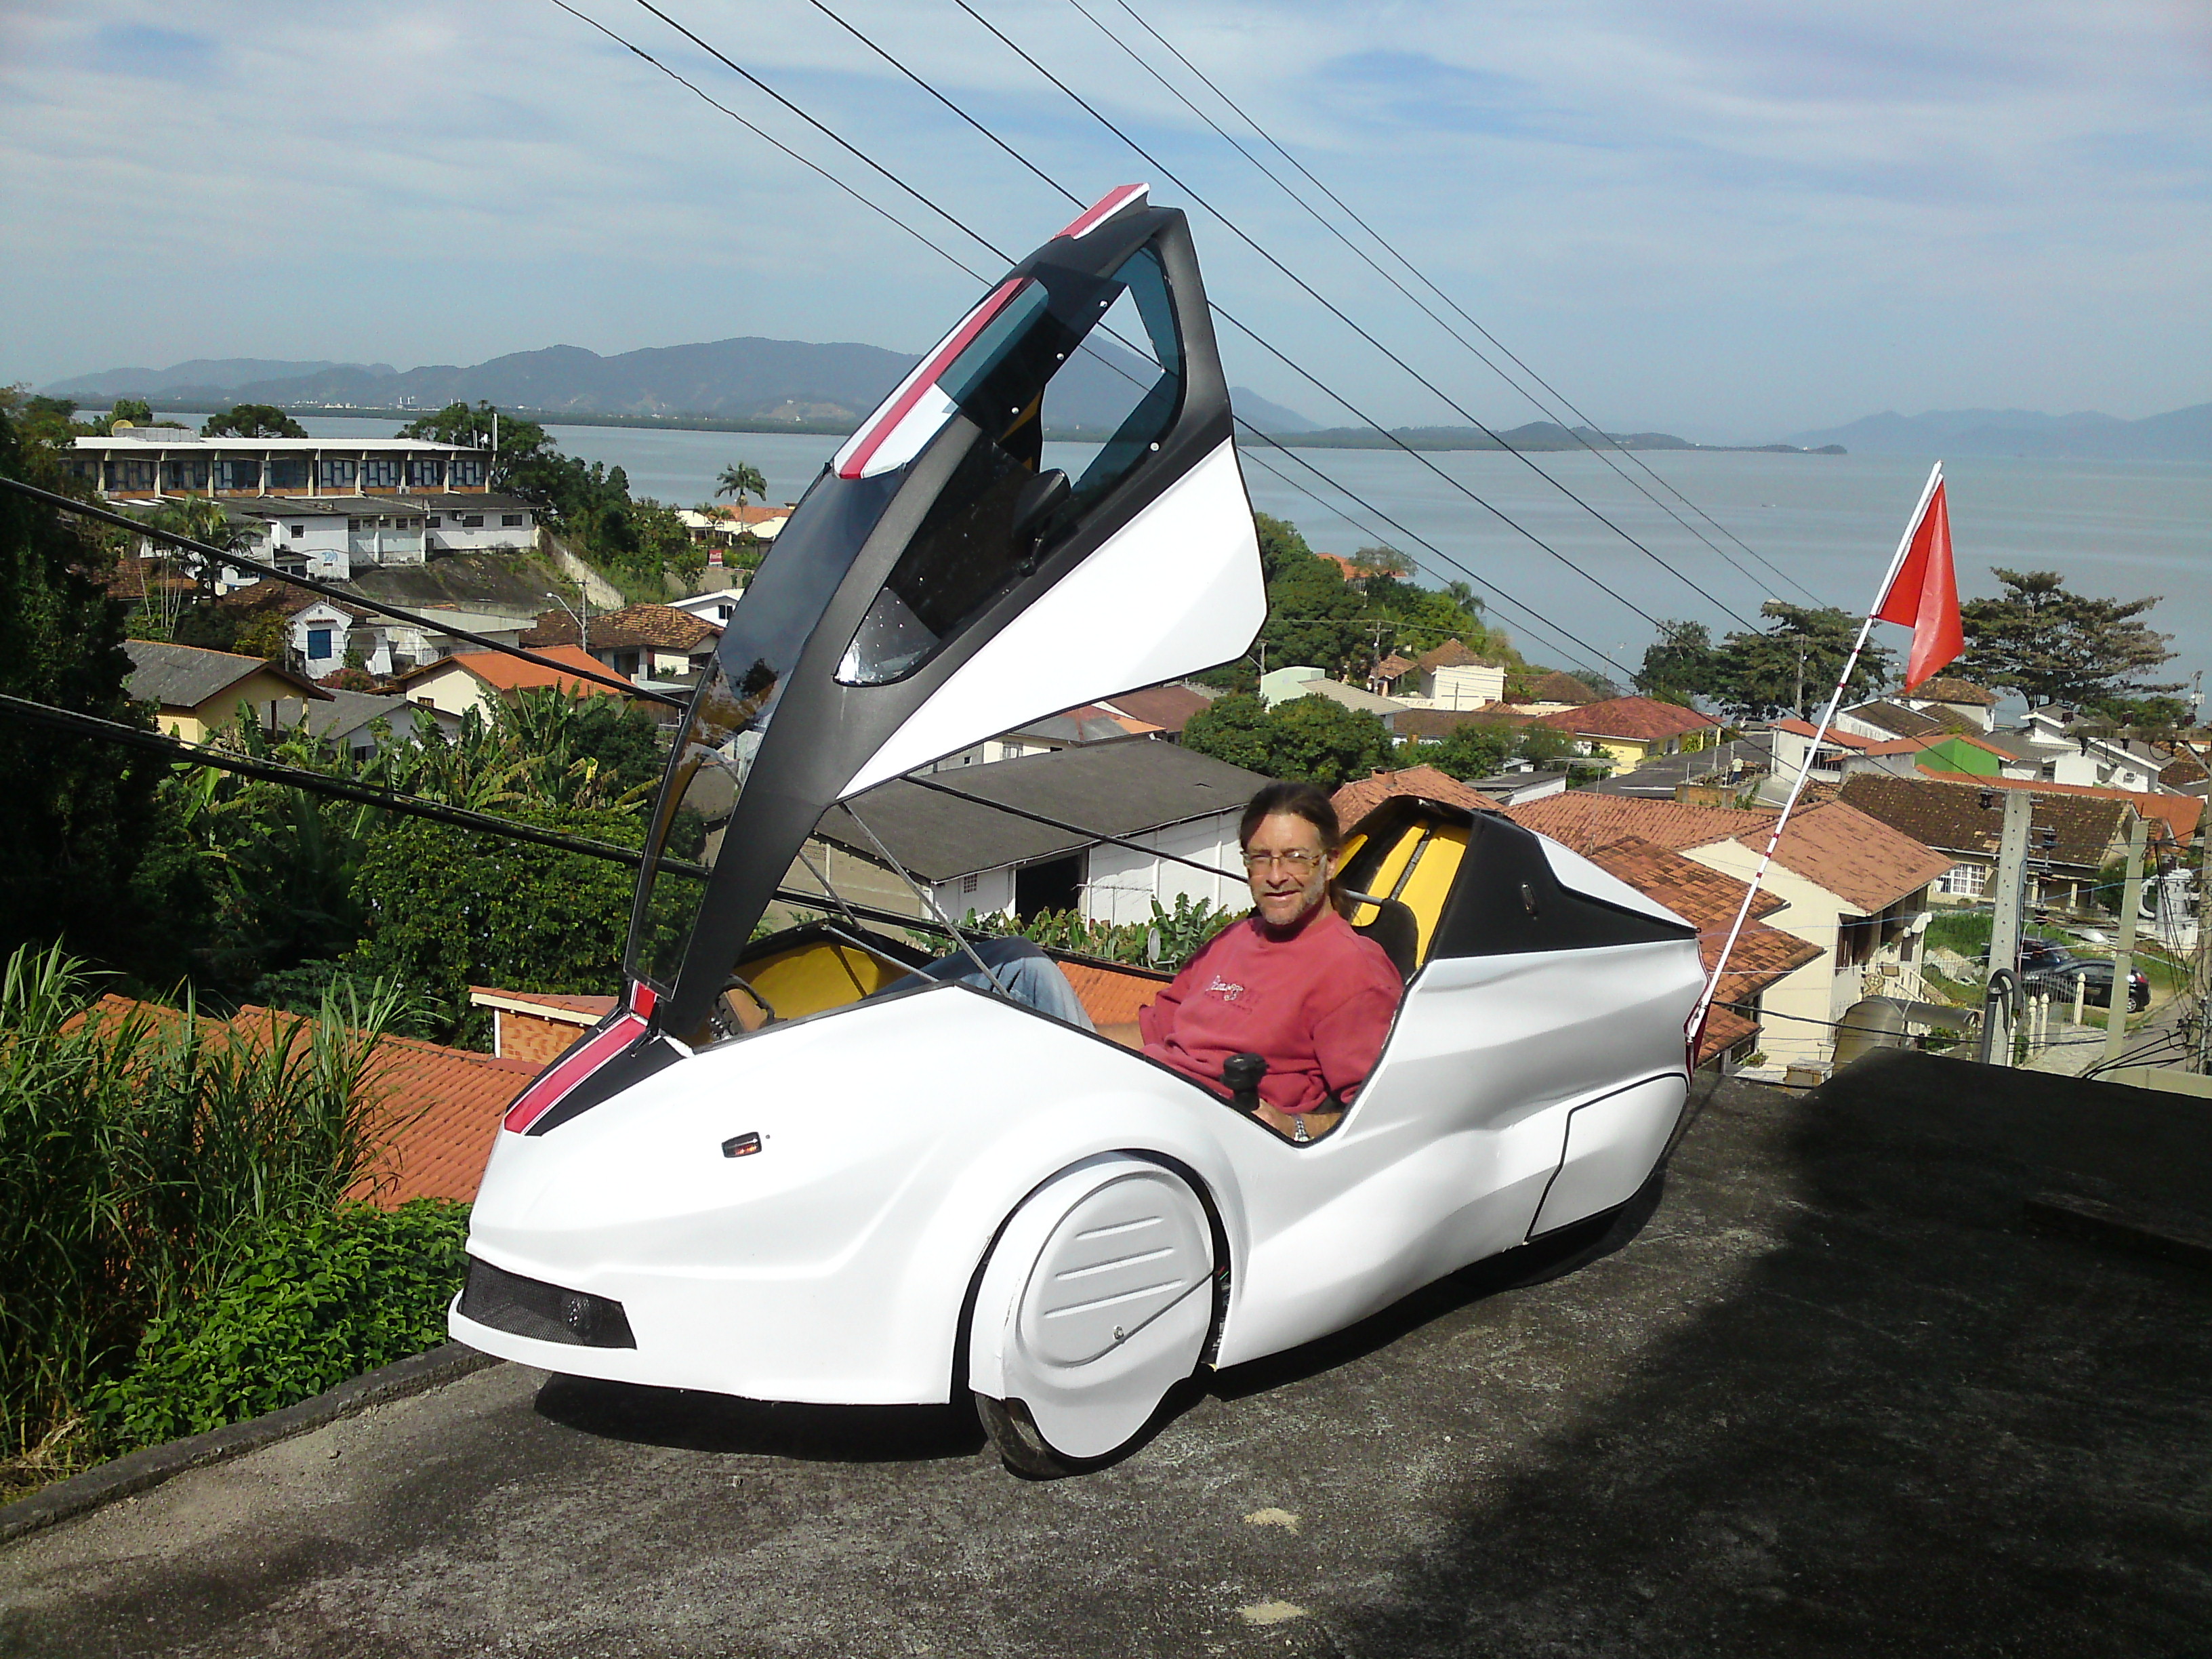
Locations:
column 2096, row 982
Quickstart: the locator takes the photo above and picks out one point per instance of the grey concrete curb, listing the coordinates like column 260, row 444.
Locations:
column 140, row 1471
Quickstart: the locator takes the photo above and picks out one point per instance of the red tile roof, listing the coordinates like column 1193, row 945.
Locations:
column 2180, row 813
column 504, row 673
column 1453, row 653
column 433, row 1110
column 660, row 625
column 1917, row 746
column 1355, row 800
column 1113, row 996
column 1582, row 820
column 1391, row 668
column 595, row 1008
column 1640, row 720
column 1167, row 706
column 1859, row 858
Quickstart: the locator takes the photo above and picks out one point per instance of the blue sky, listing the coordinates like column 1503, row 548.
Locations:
column 1729, row 219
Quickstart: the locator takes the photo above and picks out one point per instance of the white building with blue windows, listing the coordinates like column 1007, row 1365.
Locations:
column 326, row 506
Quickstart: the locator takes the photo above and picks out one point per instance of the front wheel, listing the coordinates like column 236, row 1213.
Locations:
column 1097, row 1301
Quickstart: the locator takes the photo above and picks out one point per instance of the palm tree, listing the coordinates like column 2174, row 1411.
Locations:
column 741, row 479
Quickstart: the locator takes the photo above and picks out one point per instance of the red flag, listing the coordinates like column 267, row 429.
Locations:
column 1924, row 597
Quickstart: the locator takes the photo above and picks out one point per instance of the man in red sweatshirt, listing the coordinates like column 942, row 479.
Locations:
column 1291, row 982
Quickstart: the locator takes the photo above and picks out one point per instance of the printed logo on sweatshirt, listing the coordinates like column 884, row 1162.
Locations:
column 1227, row 990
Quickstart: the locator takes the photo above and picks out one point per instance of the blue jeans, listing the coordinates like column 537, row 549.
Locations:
column 1022, row 972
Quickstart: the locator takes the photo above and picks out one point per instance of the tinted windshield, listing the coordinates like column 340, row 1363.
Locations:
column 1043, row 363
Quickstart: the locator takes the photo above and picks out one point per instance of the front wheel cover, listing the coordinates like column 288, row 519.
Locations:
column 1097, row 1301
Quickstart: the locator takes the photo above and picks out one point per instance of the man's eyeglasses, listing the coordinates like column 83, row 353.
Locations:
column 1298, row 863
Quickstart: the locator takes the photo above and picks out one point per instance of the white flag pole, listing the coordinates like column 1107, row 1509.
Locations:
column 1697, row 1025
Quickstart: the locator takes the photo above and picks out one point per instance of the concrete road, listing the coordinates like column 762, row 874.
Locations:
column 1837, row 1399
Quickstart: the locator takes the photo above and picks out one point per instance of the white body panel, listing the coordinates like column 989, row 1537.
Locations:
column 831, row 1266
column 1101, row 628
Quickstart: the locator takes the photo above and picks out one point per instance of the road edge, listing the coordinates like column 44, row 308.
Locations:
column 148, row 1467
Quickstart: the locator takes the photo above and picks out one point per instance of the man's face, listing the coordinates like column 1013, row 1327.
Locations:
column 1287, row 870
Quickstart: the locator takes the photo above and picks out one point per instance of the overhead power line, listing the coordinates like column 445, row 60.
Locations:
column 1305, row 203
column 1529, row 612
column 337, row 595
column 397, row 802
column 1334, row 310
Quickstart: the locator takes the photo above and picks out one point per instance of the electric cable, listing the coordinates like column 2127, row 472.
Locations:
column 1226, row 316
column 1337, row 312
column 1535, row 616
column 1420, row 277
column 337, row 595
column 769, row 139
column 395, row 801
column 1426, row 310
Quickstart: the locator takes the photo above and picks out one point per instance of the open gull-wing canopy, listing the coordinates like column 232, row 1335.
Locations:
column 940, row 583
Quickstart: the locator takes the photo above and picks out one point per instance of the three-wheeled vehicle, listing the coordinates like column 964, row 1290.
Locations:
column 784, row 1169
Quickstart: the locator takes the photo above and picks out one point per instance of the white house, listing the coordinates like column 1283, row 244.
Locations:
column 1170, row 802
column 2063, row 753
column 1452, row 677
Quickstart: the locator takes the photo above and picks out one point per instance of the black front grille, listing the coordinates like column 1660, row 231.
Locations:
column 529, row 1307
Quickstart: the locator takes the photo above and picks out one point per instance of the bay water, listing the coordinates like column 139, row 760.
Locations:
column 1827, row 524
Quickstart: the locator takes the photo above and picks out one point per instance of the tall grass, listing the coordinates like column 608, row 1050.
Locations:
column 142, row 1152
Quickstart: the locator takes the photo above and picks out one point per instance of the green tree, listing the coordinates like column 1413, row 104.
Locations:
column 137, row 411
column 1681, row 666
column 1468, row 751
column 448, row 908
column 741, row 479
column 2053, row 645
column 252, row 421
column 1793, row 666
column 78, row 817
column 1306, row 739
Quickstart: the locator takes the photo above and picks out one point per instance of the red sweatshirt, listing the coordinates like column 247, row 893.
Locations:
column 1317, row 1004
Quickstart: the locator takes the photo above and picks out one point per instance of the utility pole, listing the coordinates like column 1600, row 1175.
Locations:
column 2006, row 906
column 2116, row 1011
column 1798, row 693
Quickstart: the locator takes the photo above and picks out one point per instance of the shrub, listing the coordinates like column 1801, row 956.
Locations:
column 314, row 1302
column 142, row 1152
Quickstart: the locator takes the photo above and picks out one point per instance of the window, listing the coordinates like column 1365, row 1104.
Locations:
column 966, row 885
column 319, row 644
column 298, row 530
column 435, row 522
column 291, row 563
column 235, row 474
column 472, row 521
column 427, row 472
column 288, row 472
column 1964, row 880
column 131, row 475
column 468, row 472
column 339, row 473
column 1002, row 509
column 510, row 521
column 354, row 525
column 379, row 473
column 186, row 472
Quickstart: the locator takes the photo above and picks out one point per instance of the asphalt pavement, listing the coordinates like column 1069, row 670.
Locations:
column 1840, row 1396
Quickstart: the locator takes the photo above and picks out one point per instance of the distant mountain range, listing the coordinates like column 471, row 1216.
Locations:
column 2181, row 435
column 774, row 382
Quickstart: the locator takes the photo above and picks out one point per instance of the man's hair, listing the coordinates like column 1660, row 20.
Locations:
column 1300, row 800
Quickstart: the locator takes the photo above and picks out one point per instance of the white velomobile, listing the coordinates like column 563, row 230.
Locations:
column 774, row 1172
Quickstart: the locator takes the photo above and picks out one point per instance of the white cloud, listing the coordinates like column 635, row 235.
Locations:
column 1737, row 218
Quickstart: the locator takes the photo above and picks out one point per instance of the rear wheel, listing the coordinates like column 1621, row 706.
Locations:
column 1097, row 1301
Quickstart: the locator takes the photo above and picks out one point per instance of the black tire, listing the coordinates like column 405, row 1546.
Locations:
column 1019, row 1446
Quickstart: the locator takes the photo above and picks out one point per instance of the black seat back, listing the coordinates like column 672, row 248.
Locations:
column 1395, row 928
